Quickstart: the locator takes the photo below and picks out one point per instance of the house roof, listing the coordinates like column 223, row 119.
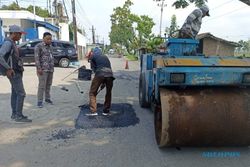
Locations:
column 45, row 24
column 209, row 35
column 19, row 14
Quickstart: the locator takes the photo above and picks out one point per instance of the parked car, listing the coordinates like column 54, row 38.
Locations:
column 64, row 52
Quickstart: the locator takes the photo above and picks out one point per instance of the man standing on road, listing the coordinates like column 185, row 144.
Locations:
column 45, row 69
column 192, row 25
column 12, row 65
column 101, row 66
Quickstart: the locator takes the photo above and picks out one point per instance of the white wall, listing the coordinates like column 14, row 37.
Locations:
column 64, row 31
column 42, row 30
column 81, row 39
column 8, row 22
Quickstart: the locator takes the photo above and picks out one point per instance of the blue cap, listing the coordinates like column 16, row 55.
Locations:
column 97, row 51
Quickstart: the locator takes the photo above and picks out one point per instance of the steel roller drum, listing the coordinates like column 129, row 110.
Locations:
column 215, row 116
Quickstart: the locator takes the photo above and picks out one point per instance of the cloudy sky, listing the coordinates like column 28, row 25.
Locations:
column 229, row 19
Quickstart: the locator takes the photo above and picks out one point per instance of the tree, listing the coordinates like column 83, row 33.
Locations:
column 142, row 29
column 129, row 30
column 121, row 26
column 13, row 6
column 184, row 3
column 244, row 46
column 39, row 11
column 173, row 27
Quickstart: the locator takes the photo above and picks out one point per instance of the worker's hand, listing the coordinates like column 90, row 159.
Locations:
column 10, row 73
column 39, row 72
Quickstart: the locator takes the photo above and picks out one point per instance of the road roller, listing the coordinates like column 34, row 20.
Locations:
column 197, row 100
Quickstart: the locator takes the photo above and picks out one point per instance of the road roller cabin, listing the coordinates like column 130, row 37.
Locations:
column 196, row 100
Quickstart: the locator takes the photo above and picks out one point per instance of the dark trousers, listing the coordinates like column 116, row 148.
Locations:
column 95, row 84
column 17, row 93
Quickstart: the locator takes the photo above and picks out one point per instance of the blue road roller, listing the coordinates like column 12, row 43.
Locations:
column 197, row 100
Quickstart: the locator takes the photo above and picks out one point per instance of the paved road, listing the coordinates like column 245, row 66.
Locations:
column 52, row 140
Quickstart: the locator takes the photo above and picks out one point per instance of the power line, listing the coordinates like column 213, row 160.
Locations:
column 222, row 4
column 66, row 12
column 225, row 14
column 83, row 12
column 79, row 13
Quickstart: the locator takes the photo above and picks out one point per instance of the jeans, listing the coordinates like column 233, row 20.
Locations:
column 96, row 83
column 17, row 94
column 45, row 82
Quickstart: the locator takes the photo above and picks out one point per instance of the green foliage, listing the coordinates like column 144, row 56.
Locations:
column 184, row 3
column 154, row 43
column 121, row 28
column 243, row 49
column 244, row 45
column 71, row 32
column 129, row 30
column 173, row 27
column 132, row 32
column 39, row 11
column 131, row 57
column 13, row 6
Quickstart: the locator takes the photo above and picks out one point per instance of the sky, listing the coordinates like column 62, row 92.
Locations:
column 229, row 19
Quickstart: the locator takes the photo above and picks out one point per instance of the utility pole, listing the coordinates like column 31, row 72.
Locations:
column 97, row 38
column 74, row 22
column 161, row 4
column 93, row 34
column 49, row 2
column 56, row 15
column 34, row 13
column 65, row 9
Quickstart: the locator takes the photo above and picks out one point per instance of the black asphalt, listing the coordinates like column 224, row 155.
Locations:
column 122, row 115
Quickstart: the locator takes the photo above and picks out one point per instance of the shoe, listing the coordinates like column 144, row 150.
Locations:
column 40, row 104
column 13, row 116
column 91, row 114
column 48, row 101
column 106, row 112
column 22, row 119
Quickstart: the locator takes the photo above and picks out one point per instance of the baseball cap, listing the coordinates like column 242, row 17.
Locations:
column 15, row 28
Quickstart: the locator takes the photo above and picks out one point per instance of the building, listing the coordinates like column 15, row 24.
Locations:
column 214, row 46
column 34, row 25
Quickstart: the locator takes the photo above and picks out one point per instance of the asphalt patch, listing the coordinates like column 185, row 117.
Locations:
column 122, row 115
column 62, row 134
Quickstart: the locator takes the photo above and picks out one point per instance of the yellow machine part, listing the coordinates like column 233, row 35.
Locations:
column 196, row 62
column 215, row 116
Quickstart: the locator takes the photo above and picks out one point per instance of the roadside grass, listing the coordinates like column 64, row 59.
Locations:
column 131, row 57
column 242, row 55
